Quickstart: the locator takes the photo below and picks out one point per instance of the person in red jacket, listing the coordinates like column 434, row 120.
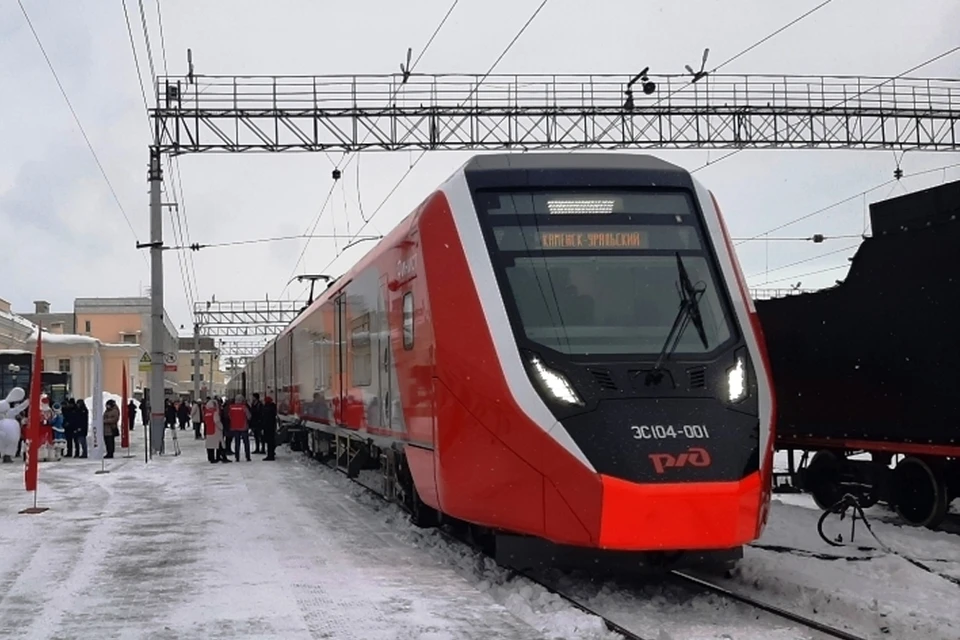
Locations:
column 239, row 426
column 213, row 430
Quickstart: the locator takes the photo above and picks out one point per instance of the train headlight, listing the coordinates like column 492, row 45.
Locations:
column 554, row 383
column 737, row 381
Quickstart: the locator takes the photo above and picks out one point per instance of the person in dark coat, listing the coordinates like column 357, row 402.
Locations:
column 170, row 414
column 70, row 426
column 132, row 415
column 183, row 414
column 111, row 426
column 225, row 421
column 82, row 427
column 256, row 424
column 268, row 418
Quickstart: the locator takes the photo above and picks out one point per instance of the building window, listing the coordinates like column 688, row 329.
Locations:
column 408, row 320
column 192, row 379
column 193, row 362
column 127, row 338
column 63, row 365
column 86, row 326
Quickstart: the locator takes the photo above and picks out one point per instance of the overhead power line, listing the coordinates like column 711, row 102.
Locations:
column 697, row 76
column 76, row 118
column 846, row 200
column 182, row 218
column 338, row 169
column 845, row 100
column 809, row 273
column 307, row 243
column 772, row 35
column 196, row 246
column 821, row 256
column 424, row 152
column 136, row 64
column 816, row 238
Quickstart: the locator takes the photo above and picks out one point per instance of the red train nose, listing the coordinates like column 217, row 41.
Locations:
column 689, row 515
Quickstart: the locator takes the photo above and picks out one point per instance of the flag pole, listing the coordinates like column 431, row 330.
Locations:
column 31, row 470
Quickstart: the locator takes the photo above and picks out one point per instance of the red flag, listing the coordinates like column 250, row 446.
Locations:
column 33, row 426
column 124, row 414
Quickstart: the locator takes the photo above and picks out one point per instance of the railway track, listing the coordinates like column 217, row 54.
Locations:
column 690, row 581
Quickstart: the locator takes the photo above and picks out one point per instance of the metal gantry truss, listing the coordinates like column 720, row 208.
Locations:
column 354, row 113
column 245, row 318
column 247, row 324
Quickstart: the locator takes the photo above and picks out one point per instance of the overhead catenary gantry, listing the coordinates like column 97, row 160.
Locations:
column 390, row 112
column 196, row 114
column 247, row 324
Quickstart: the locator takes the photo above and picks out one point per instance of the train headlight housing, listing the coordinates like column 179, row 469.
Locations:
column 554, row 383
column 737, row 381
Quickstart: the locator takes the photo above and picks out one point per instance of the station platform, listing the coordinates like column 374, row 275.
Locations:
column 181, row 548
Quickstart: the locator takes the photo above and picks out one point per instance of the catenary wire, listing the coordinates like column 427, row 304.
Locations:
column 845, row 100
column 237, row 243
column 76, row 118
column 804, row 261
column 809, row 273
column 848, row 199
column 723, row 64
column 424, row 152
column 173, row 166
column 307, row 244
column 338, row 166
column 136, row 63
column 176, row 221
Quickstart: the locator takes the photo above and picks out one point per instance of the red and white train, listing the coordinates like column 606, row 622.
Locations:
column 559, row 346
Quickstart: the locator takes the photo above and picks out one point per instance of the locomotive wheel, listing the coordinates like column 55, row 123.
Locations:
column 822, row 479
column 920, row 494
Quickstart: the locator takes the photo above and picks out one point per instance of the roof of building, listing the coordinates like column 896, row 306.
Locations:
column 18, row 320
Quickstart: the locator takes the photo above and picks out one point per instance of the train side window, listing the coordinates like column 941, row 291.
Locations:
column 408, row 320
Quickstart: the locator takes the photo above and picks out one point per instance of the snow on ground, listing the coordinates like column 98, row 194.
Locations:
column 878, row 594
column 180, row 548
column 649, row 608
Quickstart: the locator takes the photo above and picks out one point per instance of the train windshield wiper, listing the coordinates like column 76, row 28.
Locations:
column 689, row 311
column 693, row 296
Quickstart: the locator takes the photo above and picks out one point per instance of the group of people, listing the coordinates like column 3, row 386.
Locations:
column 228, row 424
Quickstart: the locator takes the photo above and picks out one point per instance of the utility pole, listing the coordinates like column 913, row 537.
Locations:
column 196, row 362
column 157, row 350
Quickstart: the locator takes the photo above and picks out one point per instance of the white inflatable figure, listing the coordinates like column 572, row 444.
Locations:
column 9, row 424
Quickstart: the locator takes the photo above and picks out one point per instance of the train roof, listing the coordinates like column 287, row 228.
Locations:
column 562, row 160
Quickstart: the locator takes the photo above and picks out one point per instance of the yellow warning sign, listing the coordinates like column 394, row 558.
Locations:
column 145, row 362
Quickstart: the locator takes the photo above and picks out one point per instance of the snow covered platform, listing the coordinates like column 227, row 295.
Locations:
column 181, row 548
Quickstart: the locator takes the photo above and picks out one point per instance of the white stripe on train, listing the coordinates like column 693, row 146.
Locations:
column 743, row 308
column 481, row 269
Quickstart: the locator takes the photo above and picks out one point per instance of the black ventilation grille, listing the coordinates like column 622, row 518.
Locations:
column 604, row 379
column 698, row 378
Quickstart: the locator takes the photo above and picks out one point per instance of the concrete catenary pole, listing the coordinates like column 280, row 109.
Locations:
column 196, row 362
column 157, row 328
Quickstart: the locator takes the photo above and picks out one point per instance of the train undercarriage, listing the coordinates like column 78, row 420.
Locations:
column 919, row 488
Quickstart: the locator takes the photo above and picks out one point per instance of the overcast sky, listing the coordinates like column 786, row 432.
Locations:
column 67, row 237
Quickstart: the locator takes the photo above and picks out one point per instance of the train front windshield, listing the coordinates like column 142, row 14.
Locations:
column 598, row 274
